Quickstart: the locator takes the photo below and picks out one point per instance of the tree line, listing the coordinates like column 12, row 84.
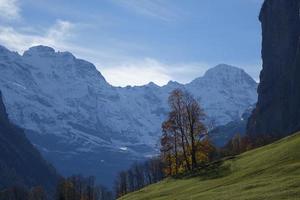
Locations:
column 138, row 176
column 22, row 193
column 81, row 188
column 236, row 145
column 72, row 188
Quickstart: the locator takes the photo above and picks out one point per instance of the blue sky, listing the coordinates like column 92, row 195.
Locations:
column 133, row 42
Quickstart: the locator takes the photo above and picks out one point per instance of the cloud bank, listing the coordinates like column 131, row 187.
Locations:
column 118, row 60
column 9, row 9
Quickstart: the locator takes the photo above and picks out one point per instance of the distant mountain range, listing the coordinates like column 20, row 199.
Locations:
column 82, row 124
column 20, row 162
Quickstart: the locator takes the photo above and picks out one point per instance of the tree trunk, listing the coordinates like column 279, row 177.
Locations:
column 176, row 154
column 194, row 160
column 184, row 152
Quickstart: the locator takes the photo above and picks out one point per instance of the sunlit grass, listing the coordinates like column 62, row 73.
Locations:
column 271, row 172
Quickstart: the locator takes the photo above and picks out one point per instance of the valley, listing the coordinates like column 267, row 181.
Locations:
column 70, row 113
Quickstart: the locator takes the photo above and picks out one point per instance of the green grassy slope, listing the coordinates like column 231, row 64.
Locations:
column 271, row 172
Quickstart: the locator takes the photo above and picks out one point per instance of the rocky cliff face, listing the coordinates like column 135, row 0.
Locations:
column 20, row 163
column 278, row 109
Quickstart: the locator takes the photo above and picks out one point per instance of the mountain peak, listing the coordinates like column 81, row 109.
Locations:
column 152, row 84
column 46, row 51
column 68, row 102
column 223, row 69
column 224, row 74
column 173, row 83
column 228, row 73
column 7, row 53
column 39, row 50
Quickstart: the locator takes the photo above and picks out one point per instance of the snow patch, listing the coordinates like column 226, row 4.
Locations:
column 123, row 148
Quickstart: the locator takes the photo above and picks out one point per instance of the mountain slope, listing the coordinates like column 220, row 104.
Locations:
column 270, row 172
column 71, row 113
column 20, row 162
column 224, row 91
column 220, row 135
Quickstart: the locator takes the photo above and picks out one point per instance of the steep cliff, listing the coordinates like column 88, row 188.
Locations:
column 20, row 163
column 278, row 109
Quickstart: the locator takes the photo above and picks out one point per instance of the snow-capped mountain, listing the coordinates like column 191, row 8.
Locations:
column 82, row 124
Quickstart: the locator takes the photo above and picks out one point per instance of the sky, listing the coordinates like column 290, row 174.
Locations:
column 134, row 42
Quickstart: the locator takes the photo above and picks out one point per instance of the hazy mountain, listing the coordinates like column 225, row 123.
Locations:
column 84, row 125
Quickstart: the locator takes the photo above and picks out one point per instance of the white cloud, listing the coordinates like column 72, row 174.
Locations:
column 63, row 37
column 61, row 29
column 9, row 9
column 141, row 72
column 114, row 63
column 55, row 36
column 136, row 73
column 117, row 68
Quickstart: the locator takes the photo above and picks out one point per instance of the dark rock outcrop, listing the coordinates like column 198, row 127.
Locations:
column 277, row 113
column 20, row 163
column 221, row 135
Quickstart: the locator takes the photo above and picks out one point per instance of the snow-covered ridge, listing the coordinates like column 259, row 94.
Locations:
column 66, row 105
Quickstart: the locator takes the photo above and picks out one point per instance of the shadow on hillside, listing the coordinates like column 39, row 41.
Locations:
column 213, row 170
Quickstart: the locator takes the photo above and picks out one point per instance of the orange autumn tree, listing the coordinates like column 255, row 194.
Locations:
column 184, row 143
